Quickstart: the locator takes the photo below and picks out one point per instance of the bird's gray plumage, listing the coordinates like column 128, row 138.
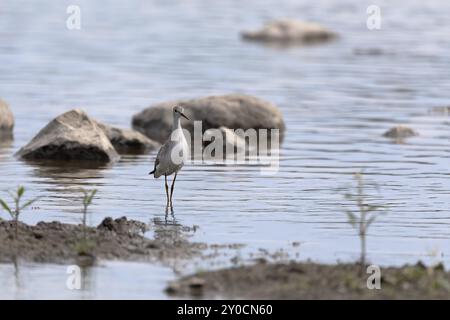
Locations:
column 167, row 163
column 173, row 153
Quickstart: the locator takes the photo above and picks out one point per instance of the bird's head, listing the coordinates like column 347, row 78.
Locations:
column 180, row 111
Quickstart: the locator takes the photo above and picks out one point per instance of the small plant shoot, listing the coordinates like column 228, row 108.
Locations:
column 84, row 247
column 364, row 214
column 17, row 207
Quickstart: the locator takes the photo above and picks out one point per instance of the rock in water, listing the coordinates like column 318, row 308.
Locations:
column 6, row 119
column 230, row 140
column 289, row 31
column 127, row 140
column 230, row 111
column 71, row 136
column 400, row 132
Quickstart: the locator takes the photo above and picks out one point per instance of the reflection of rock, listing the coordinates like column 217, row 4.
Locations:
column 231, row 111
column 63, row 180
column 6, row 120
column 288, row 31
column 71, row 136
column 400, row 132
column 127, row 140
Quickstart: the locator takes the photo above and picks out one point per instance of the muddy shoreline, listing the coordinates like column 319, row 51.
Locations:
column 313, row 281
column 112, row 239
column 125, row 240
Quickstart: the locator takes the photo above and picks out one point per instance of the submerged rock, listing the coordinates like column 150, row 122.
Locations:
column 232, row 111
column 289, row 31
column 400, row 132
column 71, row 136
column 6, row 120
column 127, row 140
column 442, row 110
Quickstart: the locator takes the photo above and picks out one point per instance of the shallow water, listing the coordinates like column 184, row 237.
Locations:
column 337, row 100
column 111, row 280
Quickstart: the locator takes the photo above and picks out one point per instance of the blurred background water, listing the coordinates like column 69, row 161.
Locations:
column 337, row 99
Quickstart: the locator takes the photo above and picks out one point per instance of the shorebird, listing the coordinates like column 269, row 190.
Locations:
column 173, row 154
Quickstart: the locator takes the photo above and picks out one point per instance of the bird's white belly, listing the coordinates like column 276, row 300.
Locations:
column 174, row 160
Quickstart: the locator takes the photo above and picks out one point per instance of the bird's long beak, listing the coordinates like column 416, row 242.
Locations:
column 184, row 116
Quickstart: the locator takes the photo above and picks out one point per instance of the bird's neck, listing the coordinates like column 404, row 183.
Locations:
column 177, row 130
column 176, row 123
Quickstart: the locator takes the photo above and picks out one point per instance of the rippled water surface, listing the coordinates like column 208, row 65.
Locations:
column 337, row 100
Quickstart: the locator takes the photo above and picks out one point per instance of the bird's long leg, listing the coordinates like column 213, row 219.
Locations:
column 171, row 189
column 167, row 190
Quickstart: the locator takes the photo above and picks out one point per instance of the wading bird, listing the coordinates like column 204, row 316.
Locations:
column 173, row 154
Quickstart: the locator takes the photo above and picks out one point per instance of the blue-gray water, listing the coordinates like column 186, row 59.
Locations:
column 336, row 102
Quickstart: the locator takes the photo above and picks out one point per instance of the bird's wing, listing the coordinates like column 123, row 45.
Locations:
column 158, row 156
column 161, row 153
column 156, row 164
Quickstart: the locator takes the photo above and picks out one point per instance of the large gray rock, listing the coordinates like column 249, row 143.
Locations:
column 127, row 140
column 6, row 119
column 230, row 111
column 71, row 136
column 289, row 31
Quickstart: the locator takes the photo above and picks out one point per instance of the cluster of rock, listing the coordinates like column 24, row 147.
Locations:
column 76, row 136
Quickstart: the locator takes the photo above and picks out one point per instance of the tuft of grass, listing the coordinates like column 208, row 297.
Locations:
column 15, row 210
column 84, row 247
column 364, row 215
column 88, row 196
